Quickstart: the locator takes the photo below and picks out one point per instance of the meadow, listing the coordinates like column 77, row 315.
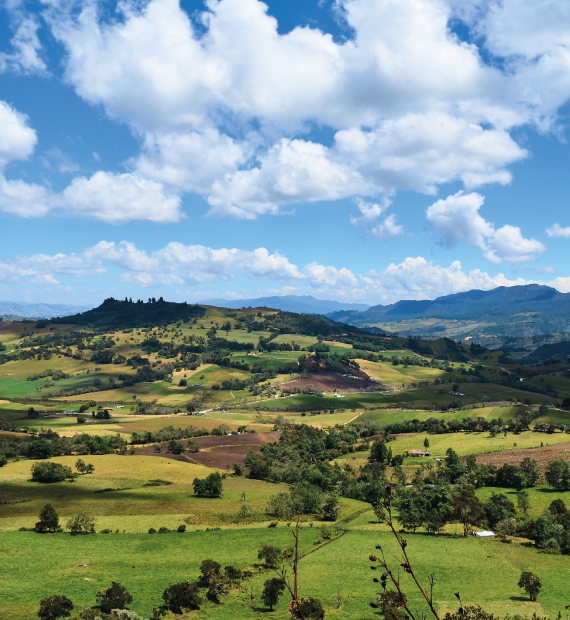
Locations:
column 36, row 565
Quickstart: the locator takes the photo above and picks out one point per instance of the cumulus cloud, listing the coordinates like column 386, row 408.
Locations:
column 457, row 218
column 17, row 138
column 221, row 95
column 120, row 198
column 418, row 278
column 224, row 102
column 558, row 231
column 370, row 219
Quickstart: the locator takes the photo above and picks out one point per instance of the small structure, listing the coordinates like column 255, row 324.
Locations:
column 416, row 453
column 484, row 534
column 338, row 395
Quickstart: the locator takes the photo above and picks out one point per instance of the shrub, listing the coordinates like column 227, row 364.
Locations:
column 49, row 472
column 311, row 608
column 181, row 529
column 152, row 530
column 163, row 530
column 106, row 531
column 3, row 460
column 81, row 419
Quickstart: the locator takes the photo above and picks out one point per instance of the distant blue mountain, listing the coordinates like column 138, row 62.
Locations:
column 305, row 304
column 37, row 311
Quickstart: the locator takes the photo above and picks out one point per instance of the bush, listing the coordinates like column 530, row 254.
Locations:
column 181, row 529
column 81, row 419
column 163, row 530
column 3, row 460
column 49, row 472
column 311, row 608
column 152, row 530
column 106, row 531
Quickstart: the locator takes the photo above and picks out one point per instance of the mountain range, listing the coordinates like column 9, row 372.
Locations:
column 37, row 311
column 302, row 304
column 497, row 317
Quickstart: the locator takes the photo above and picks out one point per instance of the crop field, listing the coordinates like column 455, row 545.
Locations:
column 139, row 367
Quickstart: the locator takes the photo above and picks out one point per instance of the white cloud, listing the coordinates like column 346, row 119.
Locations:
column 558, row 231
column 508, row 245
column 17, row 139
column 457, row 218
column 370, row 219
column 26, row 45
column 418, row 278
column 120, row 198
column 412, row 106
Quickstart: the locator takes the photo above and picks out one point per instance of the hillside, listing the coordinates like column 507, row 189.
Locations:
column 492, row 318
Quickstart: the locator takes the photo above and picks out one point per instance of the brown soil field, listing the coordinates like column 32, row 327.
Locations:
column 329, row 381
column 218, row 452
column 540, row 455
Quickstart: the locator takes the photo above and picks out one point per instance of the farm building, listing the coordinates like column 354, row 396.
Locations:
column 416, row 453
column 484, row 534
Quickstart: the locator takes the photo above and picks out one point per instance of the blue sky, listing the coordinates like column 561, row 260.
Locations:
column 357, row 150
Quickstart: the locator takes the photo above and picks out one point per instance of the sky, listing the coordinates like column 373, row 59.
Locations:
column 357, row 150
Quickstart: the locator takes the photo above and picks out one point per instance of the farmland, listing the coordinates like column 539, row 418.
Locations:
column 150, row 403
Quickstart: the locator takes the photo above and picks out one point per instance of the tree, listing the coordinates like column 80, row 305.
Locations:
column 55, row 606
column 453, row 465
column 530, row 583
column 41, row 449
column 499, row 507
column 183, row 383
column 84, row 468
column 523, row 502
column 272, row 590
column 330, row 507
column 185, row 595
column 33, row 415
column 83, row 523
column 193, row 446
column 208, row 570
column 239, row 469
column 210, row 486
column 3, row 460
column 379, row 452
column 426, row 443
column 270, row 555
column 558, row 475
column 530, row 469
column 175, row 447
column 115, row 597
column 467, row 508
column 48, row 520
column 49, row 472
column 81, row 419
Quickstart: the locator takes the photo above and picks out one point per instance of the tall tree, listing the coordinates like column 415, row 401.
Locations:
column 272, row 590
column 48, row 520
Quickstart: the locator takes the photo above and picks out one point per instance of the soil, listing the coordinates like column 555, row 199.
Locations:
column 540, row 455
column 218, row 452
column 329, row 381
